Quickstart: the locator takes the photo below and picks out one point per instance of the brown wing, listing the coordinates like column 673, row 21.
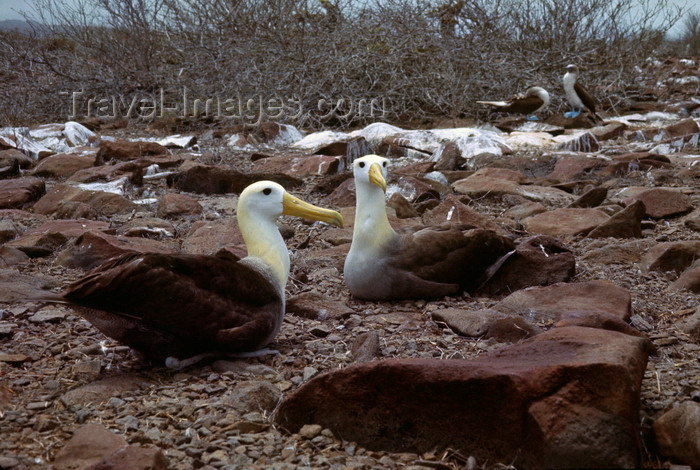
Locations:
column 179, row 304
column 451, row 254
column 523, row 104
column 586, row 98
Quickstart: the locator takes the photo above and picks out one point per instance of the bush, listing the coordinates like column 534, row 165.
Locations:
column 311, row 63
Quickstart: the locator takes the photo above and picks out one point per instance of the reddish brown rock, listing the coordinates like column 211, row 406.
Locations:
column 177, row 205
column 448, row 157
column 128, row 150
column 89, row 445
column 48, row 237
column 539, row 260
column 625, row 224
column 343, row 195
column 609, row 131
column 403, row 208
column 133, row 457
column 14, row 158
column 560, row 299
column 677, row 433
column 203, row 179
column 12, row 256
column 19, row 192
column 104, row 203
column 565, row 221
column 689, row 280
column 623, row 253
column 572, row 167
column 671, row 256
column 132, row 170
column 452, row 210
column 661, row 202
column 487, row 324
column 63, row 165
column 585, row 142
column 94, row 248
column 525, row 210
column 102, row 390
column 299, row 166
column 208, row 237
column 568, row 397
column 317, row 307
column 693, row 220
column 591, row 198
column 681, row 128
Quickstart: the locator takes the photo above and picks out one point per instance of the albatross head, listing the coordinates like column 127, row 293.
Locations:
column 267, row 200
column 259, row 206
column 371, row 170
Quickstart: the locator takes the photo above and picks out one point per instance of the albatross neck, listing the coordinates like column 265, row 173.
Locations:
column 264, row 241
column 372, row 226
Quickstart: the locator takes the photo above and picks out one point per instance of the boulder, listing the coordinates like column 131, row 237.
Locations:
column 20, row 192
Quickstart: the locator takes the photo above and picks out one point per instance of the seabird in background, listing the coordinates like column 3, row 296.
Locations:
column 175, row 306
column 420, row 263
column 535, row 99
column 577, row 96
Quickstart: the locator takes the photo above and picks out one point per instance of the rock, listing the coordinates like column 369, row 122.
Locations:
column 556, row 300
column 403, row 208
column 104, row 203
column 623, row 253
column 689, row 279
column 15, row 286
column 19, row 192
column 299, row 166
column 63, row 165
column 565, row 221
column 127, row 150
column 691, row 326
column 591, row 198
column 149, row 227
column 309, row 431
column 448, row 157
column 584, row 142
column 317, row 307
column 608, row 131
column 531, row 402
column 602, row 320
column 452, row 210
column 12, row 256
column 661, row 202
column 525, row 210
column 693, row 220
column 46, row 238
column 538, row 260
column 573, row 167
column 488, row 186
column 625, row 224
column 132, row 170
column 250, row 396
column 102, row 390
column 133, row 457
column 487, row 324
column 94, row 248
column 89, row 445
column 203, row 179
column 77, row 134
column 681, row 128
column 678, row 433
column 206, row 237
column 365, row 347
column 8, row 230
column 173, row 205
column 14, row 158
column 671, row 256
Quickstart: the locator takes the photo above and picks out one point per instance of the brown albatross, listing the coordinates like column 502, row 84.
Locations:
column 420, row 263
column 535, row 99
column 172, row 306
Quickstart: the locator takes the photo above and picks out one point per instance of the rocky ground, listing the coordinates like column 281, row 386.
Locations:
column 70, row 397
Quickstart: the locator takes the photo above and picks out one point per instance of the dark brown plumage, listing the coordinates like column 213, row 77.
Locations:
column 419, row 263
column 534, row 99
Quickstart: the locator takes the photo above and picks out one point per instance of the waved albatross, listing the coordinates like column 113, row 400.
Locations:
column 172, row 306
column 535, row 99
column 576, row 94
column 418, row 263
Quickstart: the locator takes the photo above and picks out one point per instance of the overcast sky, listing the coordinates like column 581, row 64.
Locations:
column 9, row 8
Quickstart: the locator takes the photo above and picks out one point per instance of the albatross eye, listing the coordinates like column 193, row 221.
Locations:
column 361, row 164
column 267, row 191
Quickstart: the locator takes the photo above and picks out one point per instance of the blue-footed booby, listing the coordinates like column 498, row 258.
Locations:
column 535, row 99
column 186, row 306
column 418, row 263
column 577, row 96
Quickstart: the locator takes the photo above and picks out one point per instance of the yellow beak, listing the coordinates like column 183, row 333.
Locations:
column 376, row 176
column 295, row 206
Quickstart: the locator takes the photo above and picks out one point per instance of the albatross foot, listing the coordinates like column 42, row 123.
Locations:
column 178, row 364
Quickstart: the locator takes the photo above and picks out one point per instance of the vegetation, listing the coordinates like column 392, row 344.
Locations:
column 313, row 63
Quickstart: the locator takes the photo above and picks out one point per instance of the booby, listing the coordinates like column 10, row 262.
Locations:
column 419, row 263
column 173, row 306
column 577, row 96
column 535, row 99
